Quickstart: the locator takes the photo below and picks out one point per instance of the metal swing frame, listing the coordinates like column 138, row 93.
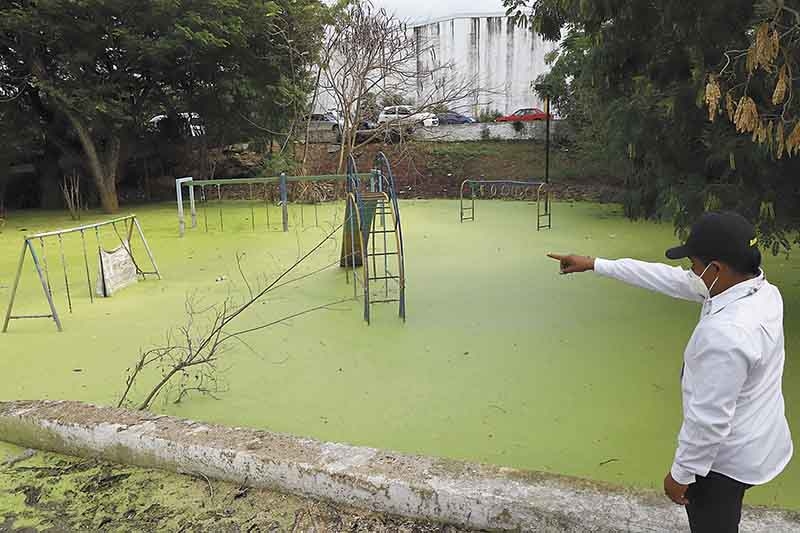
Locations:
column 544, row 215
column 281, row 181
column 28, row 246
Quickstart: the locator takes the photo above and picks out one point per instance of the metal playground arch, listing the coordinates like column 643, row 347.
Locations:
column 372, row 235
column 512, row 189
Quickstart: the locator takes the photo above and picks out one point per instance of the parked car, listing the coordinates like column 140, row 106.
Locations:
column 528, row 114
column 189, row 124
column 407, row 116
column 325, row 122
column 455, row 118
column 366, row 132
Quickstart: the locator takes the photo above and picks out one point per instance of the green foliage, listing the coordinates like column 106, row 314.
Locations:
column 370, row 107
column 110, row 65
column 277, row 163
column 393, row 99
column 630, row 77
column 489, row 115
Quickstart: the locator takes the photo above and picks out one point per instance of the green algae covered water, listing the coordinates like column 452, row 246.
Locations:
column 501, row 359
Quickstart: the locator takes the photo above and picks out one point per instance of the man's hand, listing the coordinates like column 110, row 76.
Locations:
column 572, row 264
column 675, row 491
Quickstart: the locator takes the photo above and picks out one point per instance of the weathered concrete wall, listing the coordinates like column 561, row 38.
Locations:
column 497, row 60
column 472, row 495
column 494, row 131
column 490, row 131
column 500, row 58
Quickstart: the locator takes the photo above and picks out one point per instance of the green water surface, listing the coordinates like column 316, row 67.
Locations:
column 501, row 359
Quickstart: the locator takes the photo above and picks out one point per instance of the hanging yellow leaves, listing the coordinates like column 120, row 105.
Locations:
column 779, row 146
column 793, row 141
column 770, row 126
column 764, row 50
column 771, row 122
column 731, row 107
column 760, row 133
column 746, row 117
column 781, row 87
column 712, row 97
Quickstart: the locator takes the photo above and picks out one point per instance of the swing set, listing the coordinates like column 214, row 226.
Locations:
column 106, row 280
column 260, row 192
column 372, row 251
column 506, row 189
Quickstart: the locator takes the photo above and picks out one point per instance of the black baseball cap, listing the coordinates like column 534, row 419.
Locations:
column 719, row 236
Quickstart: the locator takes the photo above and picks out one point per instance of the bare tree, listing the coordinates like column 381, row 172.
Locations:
column 71, row 190
column 370, row 54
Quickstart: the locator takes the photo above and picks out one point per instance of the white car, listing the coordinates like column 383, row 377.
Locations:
column 407, row 116
column 193, row 124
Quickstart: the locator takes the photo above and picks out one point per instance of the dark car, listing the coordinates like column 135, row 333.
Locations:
column 366, row 132
column 455, row 118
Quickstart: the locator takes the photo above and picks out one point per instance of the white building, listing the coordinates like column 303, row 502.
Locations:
column 501, row 58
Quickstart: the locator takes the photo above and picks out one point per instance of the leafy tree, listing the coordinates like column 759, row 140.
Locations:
column 632, row 78
column 755, row 88
column 489, row 115
column 107, row 66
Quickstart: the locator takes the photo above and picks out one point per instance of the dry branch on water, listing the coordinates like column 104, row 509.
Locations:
column 189, row 361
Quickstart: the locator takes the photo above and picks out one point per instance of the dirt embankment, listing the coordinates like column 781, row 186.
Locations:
column 436, row 170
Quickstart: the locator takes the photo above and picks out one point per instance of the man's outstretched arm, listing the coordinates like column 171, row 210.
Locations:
column 672, row 281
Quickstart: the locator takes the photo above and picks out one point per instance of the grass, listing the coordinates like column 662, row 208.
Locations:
column 513, row 160
column 501, row 360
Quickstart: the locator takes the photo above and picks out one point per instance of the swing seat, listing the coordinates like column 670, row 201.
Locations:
column 117, row 270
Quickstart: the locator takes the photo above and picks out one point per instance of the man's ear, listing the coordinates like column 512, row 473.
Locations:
column 720, row 267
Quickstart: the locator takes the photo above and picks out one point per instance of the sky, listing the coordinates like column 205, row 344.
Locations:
column 420, row 10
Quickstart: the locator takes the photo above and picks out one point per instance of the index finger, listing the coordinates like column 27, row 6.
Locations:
column 557, row 257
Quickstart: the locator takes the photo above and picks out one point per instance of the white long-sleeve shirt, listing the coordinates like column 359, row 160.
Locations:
column 733, row 408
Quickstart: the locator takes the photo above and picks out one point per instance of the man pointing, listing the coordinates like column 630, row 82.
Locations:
column 734, row 433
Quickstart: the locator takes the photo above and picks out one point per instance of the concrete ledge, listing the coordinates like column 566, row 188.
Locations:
column 493, row 131
column 470, row 495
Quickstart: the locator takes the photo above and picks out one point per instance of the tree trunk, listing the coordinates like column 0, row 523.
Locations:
column 108, row 198
column 308, row 120
column 50, row 177
column 148, row 191
column 104, row 173
column 343, row 143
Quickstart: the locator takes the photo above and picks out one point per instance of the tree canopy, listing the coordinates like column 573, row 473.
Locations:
column 645, row 83
column 107, row 66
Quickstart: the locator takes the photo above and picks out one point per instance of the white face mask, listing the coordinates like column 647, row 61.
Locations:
column 699, row 285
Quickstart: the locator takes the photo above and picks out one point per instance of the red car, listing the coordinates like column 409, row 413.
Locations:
column 527, row 114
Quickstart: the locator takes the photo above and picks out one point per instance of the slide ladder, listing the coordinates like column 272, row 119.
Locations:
column 372, row 241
